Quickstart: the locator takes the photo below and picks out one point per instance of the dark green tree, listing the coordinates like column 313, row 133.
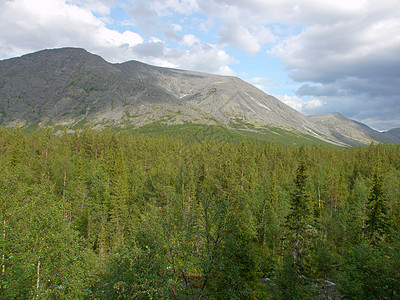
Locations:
column 376, row 223
column 290, row 274
column 298, row 221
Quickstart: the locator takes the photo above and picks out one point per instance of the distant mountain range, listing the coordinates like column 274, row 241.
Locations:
column 70, row 86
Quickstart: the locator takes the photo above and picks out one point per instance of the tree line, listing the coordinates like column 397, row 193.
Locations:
column 111, row 215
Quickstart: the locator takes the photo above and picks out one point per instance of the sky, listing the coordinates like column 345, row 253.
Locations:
column 318, row 56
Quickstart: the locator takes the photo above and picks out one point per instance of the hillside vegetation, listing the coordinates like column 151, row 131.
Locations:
column 115, row 215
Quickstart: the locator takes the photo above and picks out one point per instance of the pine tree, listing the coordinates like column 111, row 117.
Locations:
column 298, row 219
column 376, row 218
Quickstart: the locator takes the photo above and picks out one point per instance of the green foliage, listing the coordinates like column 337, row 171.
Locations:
column 111, row 214
column 236, row 267
column 47, row 261
column 376, row 218
column 138, row 271
column 298, row 221
column 365, row 275
column 288, row 282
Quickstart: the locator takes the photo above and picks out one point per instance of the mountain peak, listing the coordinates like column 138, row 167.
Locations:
column 69, row 86
column 56, row 52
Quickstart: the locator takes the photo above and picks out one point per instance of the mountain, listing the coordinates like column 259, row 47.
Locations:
column 224, row 99
column 393, row 134
column 68, row 86
column 65, row 86
column 71, row 87
column 353, row 132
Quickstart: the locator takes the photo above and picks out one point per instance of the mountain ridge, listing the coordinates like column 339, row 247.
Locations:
column 69, row 86
column 352, row 132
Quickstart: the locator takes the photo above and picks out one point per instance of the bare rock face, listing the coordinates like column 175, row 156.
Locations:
column 68, row 85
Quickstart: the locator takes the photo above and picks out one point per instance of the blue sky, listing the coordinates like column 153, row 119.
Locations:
column 318, row 56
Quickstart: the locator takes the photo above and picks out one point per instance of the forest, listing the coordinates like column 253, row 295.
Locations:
column 115, row 215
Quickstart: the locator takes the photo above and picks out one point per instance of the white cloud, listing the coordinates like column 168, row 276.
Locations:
column 33, row 25
column 339, row 50
column 29, row 26
column 204, row 58
column 247, row 39
column 177, row 27
column 294, row 12
column 293, row 101
column 309, row 107
column 180, row 6
column 261, row 80
column 239, row 37
column 261, row 83
column 153, row 9
column 351, row 63
column 190, row 40
column 102, row 7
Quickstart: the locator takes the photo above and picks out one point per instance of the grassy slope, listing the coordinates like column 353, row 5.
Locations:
column 190, row 132
column 197, row 132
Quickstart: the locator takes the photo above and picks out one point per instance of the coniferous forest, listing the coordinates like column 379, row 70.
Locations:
column 113, row 215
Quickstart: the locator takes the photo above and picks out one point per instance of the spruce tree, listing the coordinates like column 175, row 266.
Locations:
column 376, row 218
column 298, row 219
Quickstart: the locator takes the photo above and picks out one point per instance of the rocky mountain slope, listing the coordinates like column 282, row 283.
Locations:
column 393, row 134
column 66, row 85
column 223, row 98
column 70, row 86
column 353, row 132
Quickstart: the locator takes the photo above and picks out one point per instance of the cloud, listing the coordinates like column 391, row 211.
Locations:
column 247, row 39
column 203, row 57
column 293, row 101
column 102, row 7
column 351, row 63
column 185, row 7
column 171, row 35
column 299, row 104
column 293, row 12
column 261, row 80
column 143, row 14
column 240, row 37
column 150, row 49
column 190, row 40
column 325, row 53
column 261, row 83
column 149, row 13
column 345, row 54
column 30, row 25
